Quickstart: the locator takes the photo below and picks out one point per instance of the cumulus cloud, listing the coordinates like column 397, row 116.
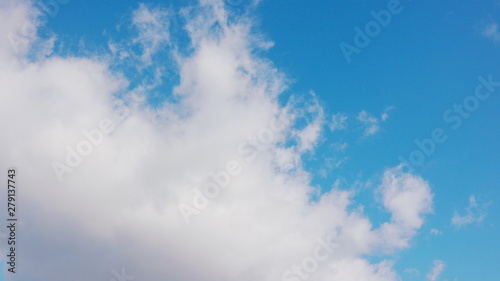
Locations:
column 436, row 270
column 491, row 32
column 474, row 213
column 127, row 167
column 407, row 197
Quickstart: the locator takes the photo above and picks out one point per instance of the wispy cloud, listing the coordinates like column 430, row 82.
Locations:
column 330, row 164
column 340, row 146
column 412, row 271
column 435, row 231
column 474, row 213
column 370, row 123
column 309, row 135
column 338, row 122
column 492, row 32
column 436, row 270
column 152, row 25
column 385, row 115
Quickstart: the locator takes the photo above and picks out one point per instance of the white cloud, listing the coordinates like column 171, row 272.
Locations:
column 385, row 115
column 152, row 26
column 408, row 198
column 370, row 123
column 308, row 137
column 474, row 213
column 412, row 271
column 119, row 207
column 312, row 112
column 435, row 231
column 330, row 164
column 19, row 30
column 491, row 31
column 436, row 270
column 339, row 122
column 340, row 146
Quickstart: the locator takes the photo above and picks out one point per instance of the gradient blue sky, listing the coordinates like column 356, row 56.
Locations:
column 426, row 60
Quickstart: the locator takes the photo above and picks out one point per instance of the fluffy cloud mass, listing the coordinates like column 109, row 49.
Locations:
column 208, row 184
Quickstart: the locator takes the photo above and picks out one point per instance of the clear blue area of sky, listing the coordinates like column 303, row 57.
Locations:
column 426, row 59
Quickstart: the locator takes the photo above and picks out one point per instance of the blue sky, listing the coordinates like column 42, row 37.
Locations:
column 353, row 119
